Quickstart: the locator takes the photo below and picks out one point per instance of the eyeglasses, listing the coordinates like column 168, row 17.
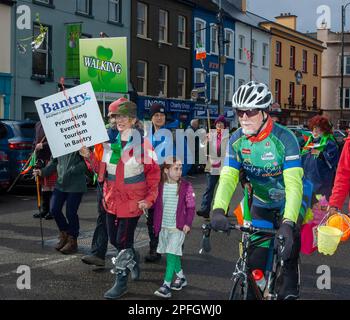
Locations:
column 250, row 113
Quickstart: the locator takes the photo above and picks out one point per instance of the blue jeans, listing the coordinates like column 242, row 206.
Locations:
column 105, row 228
column 208, row 195
column 72, row 200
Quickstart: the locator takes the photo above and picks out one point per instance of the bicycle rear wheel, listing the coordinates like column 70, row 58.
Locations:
column 239, row 289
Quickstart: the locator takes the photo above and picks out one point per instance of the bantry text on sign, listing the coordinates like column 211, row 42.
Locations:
column 71, row 119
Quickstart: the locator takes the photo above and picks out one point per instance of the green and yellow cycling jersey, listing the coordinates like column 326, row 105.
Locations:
column 272, row 164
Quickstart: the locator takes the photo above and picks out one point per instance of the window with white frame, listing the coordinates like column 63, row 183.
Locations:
column 228, row 88
column 141, row 76
column 199, row 76
column 346, row 98
column 181, row 83
column 241, row 44
column 163, row 25
column 347, row 65
column 181, row 31
column 199, row 33
column 163, row 80
column 214, row 47
column 214, row 86
column 84, row 6
column 142, row 19
column 253, row 52
column 40, row 58
column 265, row 55
column 114, row 12
column 229, row 43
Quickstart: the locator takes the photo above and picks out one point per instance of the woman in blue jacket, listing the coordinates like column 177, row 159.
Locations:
column 320, row 156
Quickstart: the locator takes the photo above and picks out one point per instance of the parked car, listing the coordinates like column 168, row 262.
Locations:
column 4, row 171
column 17, row 142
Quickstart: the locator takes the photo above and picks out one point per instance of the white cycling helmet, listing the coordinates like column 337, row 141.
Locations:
column 253, row 95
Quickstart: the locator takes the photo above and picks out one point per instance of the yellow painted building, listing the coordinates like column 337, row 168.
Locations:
column 295, row 70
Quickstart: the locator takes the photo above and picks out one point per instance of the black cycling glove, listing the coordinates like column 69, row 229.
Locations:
column 219, row 221
column 286, row 230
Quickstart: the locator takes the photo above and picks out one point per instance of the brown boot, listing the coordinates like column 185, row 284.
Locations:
column 63, row 238
column 71, row 246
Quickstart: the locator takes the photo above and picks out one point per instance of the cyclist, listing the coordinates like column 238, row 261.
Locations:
column 268, row 153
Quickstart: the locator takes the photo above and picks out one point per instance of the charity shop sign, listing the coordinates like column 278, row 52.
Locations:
column 71, row 119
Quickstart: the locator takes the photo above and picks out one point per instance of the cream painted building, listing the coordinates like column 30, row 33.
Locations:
column 5, row 57
column 331, row 77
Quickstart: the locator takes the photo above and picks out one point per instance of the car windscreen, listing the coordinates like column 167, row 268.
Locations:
column 26, row 130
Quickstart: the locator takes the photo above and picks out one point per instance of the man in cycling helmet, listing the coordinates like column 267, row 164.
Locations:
column 269, row 155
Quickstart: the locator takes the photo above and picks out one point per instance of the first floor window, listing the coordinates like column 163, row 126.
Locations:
column 141, row 75
column 163, row 80
column 303, row 95
column 199, row 76
column 181, row 83
column 41, row 55
column 214, row 84
column 228, row 88
column 278, row 91
column 346, row 98
column 291, row 93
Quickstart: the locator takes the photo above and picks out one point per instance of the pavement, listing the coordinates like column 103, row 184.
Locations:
column 54, row 276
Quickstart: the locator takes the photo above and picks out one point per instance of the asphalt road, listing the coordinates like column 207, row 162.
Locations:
column 57, row 277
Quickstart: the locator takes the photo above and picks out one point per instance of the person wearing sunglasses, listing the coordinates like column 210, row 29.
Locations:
column 268, row 154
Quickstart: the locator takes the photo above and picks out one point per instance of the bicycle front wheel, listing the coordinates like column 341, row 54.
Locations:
column 239, row 289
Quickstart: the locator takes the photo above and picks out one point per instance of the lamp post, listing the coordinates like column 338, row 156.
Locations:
column 343, row 8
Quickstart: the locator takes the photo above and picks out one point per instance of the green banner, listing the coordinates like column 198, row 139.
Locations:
column 72, row 50
column 103, row 61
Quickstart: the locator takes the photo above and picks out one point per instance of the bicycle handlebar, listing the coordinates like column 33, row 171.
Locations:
column 206, row 229
column 249, row 229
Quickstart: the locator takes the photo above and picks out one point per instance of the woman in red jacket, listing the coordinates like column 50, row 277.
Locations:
column 135, row 190
column 341, row 188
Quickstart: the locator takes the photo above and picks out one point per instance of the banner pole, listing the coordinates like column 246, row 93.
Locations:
column 104, row 105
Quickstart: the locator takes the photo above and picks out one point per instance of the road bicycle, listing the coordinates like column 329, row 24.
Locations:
column 243, row 276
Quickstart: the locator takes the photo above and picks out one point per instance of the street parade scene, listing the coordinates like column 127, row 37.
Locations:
column 174, row 150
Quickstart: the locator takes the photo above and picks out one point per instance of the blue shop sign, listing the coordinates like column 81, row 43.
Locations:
column 179, row 106
column 230, row 113
column 201, row 111
column 145, row 103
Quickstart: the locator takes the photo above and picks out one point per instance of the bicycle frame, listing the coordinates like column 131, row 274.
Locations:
column 242, row 269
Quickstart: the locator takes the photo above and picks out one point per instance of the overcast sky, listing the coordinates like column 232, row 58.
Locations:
column 306, row 10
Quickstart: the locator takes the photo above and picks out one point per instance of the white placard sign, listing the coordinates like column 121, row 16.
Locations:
column 71, row 119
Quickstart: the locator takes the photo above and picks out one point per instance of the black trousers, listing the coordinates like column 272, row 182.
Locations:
column 258, row 256
column 153, row 243
column 105, row 228
column 126, row 232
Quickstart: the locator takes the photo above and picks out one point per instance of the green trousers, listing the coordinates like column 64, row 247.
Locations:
column 173, row 264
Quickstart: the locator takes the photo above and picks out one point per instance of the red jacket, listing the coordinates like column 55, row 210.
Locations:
column 137, row 178
column 341, row 187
